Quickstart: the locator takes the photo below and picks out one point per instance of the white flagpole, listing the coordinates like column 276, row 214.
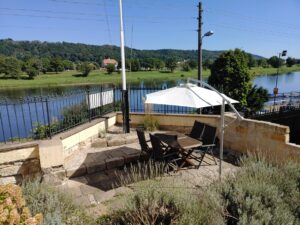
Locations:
column 125, row 106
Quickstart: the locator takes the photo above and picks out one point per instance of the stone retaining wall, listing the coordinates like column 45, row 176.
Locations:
column 20, row 160
column 267, row 139
column 17, row 162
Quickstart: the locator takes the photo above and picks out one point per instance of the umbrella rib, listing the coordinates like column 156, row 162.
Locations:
column 199, row 96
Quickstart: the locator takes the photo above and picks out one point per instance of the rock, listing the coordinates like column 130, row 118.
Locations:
column 114, row 162
column 11, row 180
column 100, row 143
column 76, row 171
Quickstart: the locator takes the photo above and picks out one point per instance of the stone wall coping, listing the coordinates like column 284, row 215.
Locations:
column 227, row 114
column 109, row 115
column 17, row 146
column 79, row 128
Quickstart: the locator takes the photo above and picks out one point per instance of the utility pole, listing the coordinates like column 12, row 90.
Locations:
column 125, row 103
column 200, row 42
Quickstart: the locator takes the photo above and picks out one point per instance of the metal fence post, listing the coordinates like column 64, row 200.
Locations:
column 89, row 104
column 2, row 126
column 48, row 117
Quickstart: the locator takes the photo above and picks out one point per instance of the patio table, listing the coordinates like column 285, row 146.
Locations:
column 184, row 144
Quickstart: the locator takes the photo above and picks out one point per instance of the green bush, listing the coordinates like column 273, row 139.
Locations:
column 150, row 124
column 259, row 193
column 263, row 194
column 57, row 208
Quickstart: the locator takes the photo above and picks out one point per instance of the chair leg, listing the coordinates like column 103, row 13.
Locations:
column 212, row 154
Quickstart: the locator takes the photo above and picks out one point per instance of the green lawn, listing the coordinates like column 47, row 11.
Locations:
column 100, row 77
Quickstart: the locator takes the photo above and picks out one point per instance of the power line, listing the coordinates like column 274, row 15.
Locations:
column 94, row 14
column 107, row 23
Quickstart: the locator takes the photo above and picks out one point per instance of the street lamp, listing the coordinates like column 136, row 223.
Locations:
column 275, row 90
column 207, row 34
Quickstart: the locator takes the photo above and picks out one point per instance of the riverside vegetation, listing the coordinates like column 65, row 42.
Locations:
column 100, row 77
column 259, row 193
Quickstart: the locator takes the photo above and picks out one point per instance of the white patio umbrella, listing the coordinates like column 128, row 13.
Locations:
column 191, row 95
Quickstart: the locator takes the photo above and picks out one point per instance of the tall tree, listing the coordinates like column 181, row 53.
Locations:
column 56, row 64
column 135, row 65
column 85, row 68
column 193, row 64
column 171, row 64
column 256, row 99
column 275, row 62
column 10, row 67
column 290, row 61
column 207, row 64
column 231, row 75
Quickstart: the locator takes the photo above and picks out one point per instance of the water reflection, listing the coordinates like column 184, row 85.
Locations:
column 286, row 83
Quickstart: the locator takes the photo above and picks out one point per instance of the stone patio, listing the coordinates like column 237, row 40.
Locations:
column 92, row 173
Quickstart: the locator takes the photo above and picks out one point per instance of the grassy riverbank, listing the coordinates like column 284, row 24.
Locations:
column 100, row 77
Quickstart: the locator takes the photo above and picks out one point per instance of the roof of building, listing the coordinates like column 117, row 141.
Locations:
column 109, row 61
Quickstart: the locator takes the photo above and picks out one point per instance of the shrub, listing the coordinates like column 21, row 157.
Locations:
column 150, row 124
column 259, row 193
column 56, row 207
column 263, row 194
column 12, row 207
column 110, row 68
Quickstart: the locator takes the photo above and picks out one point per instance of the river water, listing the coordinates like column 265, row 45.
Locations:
column 18, row 118
column 288, row 82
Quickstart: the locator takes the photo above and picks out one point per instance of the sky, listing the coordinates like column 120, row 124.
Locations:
column 262, row 27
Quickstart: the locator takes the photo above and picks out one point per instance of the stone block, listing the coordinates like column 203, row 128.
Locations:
column 51, row 180
column 131, row 139
column 114, row 162
column 100, row 143
column 116, row 141
column 11, row 180
column 76, row 171
column 23, row 168
column 94, row 166
column 97, row 178
column 51, row 153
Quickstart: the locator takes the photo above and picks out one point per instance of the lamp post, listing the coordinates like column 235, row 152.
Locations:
column 275, row 90
column 207, row 34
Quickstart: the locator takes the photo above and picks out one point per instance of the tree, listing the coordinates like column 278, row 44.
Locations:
column 46, row 67
column 10, row 67
column 251, row 61
column 158, row 64
column 32, row 72
column 110, row 68
column 231, row 75
column 56, row 64
column 262, row 63
column 85, row 68
column 193, row 64
column 33, row 63
column 186, row 67
column 68, row 65
column 275, row 62
column 290, row 61
column 207, row 64
column 171, row 64
column 135, row 65
column 256, row 99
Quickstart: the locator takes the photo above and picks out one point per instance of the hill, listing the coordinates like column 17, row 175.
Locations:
column 84, row 52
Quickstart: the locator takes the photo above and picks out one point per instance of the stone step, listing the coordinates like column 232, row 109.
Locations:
column 103, row 161
column 115, row 140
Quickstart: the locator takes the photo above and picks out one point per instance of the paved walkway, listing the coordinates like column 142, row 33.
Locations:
column 96, row 190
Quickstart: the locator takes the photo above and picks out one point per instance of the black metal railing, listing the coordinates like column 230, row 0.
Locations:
column 44, row 116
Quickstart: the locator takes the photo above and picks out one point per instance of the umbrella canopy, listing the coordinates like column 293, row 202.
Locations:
column 187, row 95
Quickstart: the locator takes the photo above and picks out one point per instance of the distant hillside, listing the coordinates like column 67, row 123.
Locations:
column 83, row 52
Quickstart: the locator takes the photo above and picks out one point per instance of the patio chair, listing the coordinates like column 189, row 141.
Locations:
column 197, row 130
column 143, row 142
column 163, row 153
column 208, row 140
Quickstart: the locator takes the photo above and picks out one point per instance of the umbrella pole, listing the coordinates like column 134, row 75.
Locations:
column 222, row 127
